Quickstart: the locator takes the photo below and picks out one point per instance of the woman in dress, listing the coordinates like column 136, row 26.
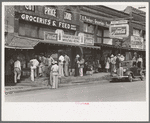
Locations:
column 107, row 64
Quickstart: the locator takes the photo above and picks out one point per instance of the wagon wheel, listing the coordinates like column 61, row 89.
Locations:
column 130, row 78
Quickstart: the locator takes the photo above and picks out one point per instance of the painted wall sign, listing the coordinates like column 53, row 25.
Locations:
column 89, row 41
column 67, row 16
column 137, row 42
column 119, row 22
column 94, row 21
column 50, row 11
column 48, row 22
column 71, row 39
column 119, row 31
column 50, row 36
column 30, row 7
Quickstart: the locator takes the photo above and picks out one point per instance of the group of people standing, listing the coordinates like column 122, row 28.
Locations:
column 138, row 61
column 79, row 65
column 113, row 62
column 47, row 66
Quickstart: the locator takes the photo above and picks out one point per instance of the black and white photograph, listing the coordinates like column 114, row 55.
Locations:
column 75, row 61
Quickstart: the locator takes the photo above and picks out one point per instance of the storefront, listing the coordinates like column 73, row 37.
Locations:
column 36, row 35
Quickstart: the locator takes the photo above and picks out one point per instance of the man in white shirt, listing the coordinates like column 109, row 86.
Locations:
column 34, row 64
column 54, row 72
column 61, row 62
column 17, row 70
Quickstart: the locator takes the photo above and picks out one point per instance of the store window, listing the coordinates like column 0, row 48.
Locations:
column 88, row 28
column 106, row 33
column 28, row 30
column 136, row 32
column 99, row 40
column 99, row 32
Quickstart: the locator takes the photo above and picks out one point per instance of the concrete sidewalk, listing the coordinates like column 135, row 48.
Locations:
column 41, row 83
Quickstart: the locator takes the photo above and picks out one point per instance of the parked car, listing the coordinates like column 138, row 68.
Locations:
column 128, row 71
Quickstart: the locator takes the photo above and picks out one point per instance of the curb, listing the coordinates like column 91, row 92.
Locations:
column 64, row 84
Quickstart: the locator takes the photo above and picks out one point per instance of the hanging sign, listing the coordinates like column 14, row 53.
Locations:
column 119, row 31
column 137, row 42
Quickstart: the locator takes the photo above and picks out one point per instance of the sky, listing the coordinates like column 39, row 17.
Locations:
column 122, row 7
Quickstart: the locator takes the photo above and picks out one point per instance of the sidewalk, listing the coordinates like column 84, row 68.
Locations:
column 41, row 83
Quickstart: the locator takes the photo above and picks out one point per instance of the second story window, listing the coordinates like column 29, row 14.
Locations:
column 88, row 28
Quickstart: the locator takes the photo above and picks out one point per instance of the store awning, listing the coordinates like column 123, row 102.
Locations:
column 70, row 44
column 117, row 47
column 17, row 42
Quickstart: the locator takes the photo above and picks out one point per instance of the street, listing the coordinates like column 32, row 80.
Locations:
column 101, row 91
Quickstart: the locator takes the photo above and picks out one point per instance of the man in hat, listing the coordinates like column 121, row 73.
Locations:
column 118, row 61
column 77, row 65
column 61, row 62
column 17, row 70
column 54, row 72
column 66, row 65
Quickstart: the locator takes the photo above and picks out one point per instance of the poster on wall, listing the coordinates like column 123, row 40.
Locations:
column 137, row 42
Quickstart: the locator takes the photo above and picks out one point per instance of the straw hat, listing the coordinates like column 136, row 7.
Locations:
column 77, row 55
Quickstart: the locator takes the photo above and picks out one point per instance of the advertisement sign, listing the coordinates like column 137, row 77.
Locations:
column 30, row 7
column 88, row 40
column 71, row 39
column 137, row 42
column 119, row 22
column 119, row 31
column 50, row 36
column 81, row 35
column 50, row 11
column 49, row 22
column 94, row 21
column 67, row 16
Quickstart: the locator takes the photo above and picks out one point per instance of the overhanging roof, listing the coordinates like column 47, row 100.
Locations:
column 17, row 42
column 70, row 44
